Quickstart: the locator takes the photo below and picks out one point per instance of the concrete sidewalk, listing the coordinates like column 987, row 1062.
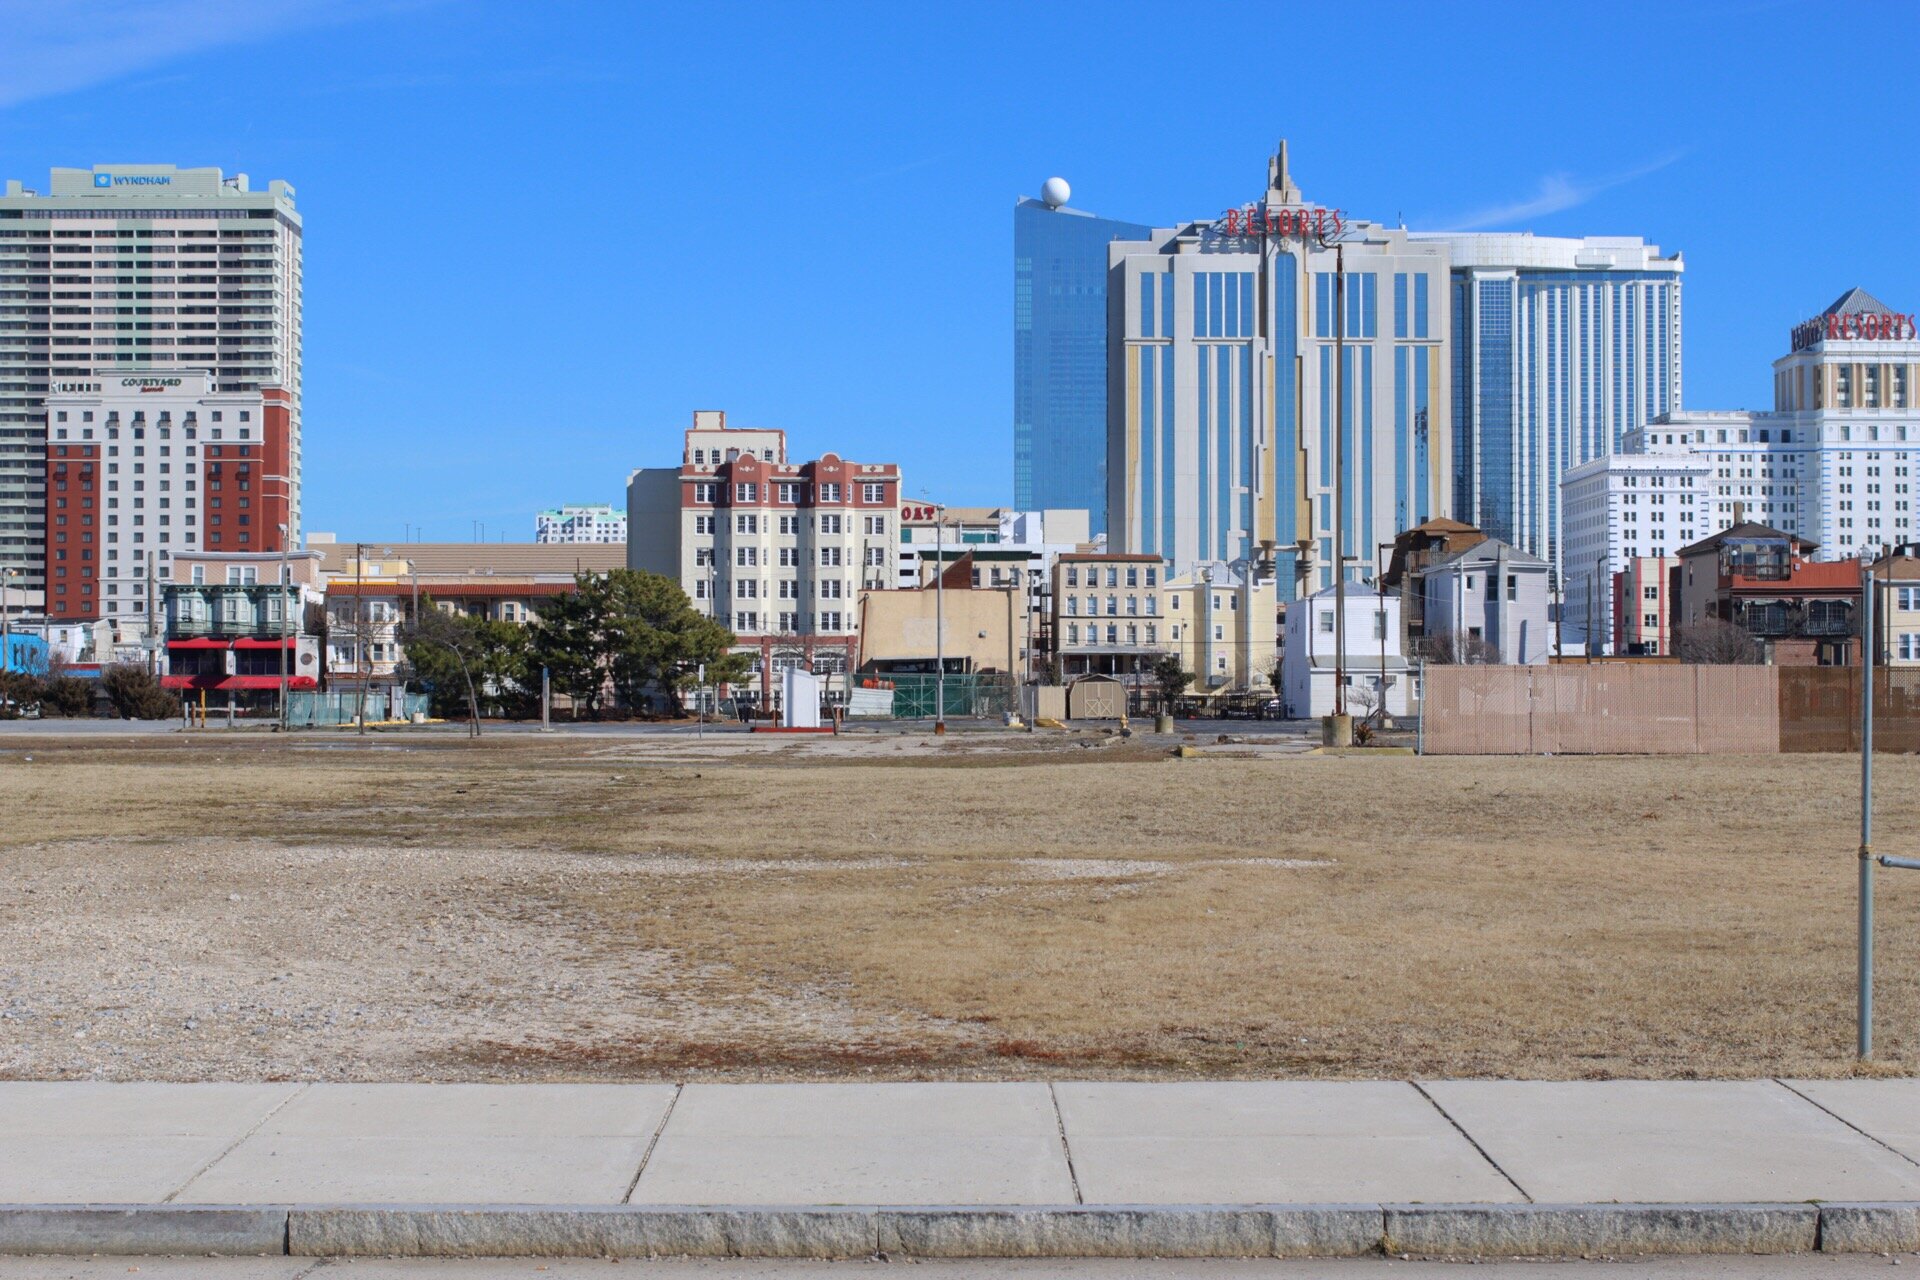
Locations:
column 1447, row 1168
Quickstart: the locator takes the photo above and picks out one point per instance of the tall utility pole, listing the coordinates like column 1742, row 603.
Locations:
column 1380, row 621
column 6, row 619
column 1602, row 589
column 1339, row 480
column 359, row 633
column 940, row 620
column 153, row 626
column 286, row 630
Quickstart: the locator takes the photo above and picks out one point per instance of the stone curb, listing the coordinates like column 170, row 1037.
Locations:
column 142, row 1229
column 1574, row 1230
column 986, row 1231
column 1869, row 1228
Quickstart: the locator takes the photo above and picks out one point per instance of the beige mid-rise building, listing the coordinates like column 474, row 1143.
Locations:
column 776, row 551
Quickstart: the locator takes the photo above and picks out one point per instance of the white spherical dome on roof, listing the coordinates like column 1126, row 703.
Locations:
column 1055, row 192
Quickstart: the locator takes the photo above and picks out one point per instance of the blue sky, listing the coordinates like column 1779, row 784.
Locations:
column 539, row 235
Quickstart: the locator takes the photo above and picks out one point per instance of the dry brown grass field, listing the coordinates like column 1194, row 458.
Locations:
column 605, row 908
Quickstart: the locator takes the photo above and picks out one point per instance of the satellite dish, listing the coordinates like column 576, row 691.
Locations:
column 1055, row 192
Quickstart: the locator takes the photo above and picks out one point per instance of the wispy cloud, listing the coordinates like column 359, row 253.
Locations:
column 537, row 76
column 868, row 177
column 1557, row 191
column 55, row 48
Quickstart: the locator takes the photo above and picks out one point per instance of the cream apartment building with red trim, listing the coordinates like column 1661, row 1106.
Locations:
column 777, row 551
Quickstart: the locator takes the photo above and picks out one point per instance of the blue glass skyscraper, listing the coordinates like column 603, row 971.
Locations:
column 1060, row 354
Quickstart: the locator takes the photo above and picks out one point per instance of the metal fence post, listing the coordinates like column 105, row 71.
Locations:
column 1865, row 1010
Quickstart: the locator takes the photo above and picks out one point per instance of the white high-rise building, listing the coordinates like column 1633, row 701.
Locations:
column 1833, row 462
column 581, row 523
column 148, row 267
column 1619, row 509
column 1559, row 349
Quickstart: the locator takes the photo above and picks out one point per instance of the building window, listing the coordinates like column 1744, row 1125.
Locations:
column 829, row 493
column 746, row 524
column 705, row 492
column 1326, row 622
column 873, row 492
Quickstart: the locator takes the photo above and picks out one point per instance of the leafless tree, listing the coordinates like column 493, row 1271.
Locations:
column 1461, row 648
column 1715, row 642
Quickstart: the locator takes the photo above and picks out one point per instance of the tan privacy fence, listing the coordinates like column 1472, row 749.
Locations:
column 1820, row 709
column 1598, row 709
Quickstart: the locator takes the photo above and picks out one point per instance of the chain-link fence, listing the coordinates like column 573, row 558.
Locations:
column 966, row 696
column 1820, row 709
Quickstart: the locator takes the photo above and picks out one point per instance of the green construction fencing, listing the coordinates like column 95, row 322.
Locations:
column 966, row 696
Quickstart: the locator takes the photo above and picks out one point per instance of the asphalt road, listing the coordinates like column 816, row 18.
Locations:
column 1794, row 1267
column 629, row 728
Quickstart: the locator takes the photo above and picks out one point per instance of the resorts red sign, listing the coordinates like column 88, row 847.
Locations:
column 1857, row 326
column 1264, row 223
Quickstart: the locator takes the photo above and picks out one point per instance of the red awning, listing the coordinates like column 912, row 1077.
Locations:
column 196, row 644
column 213, row 683
column 249, row 643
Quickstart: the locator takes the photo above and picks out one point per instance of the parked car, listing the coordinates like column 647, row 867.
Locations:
column 1273, row 709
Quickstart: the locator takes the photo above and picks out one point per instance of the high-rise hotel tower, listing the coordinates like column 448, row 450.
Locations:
column 1223, row 429
column 138, row 267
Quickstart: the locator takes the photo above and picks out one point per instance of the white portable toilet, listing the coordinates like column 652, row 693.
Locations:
column 800, row 699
